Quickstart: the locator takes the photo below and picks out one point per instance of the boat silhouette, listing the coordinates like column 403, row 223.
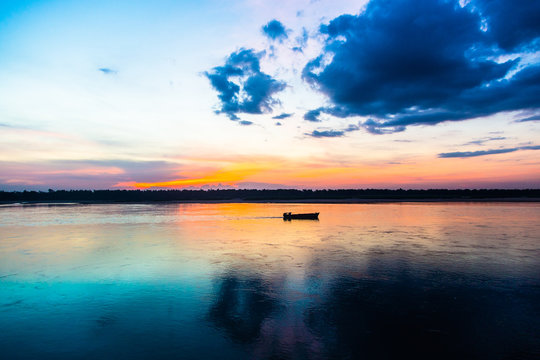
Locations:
column 306, row 216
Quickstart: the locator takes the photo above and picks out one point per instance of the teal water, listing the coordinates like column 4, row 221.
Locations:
column 235, row 281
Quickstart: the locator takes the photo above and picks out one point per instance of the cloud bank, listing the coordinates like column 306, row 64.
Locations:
column 401, row 63
column 80, row 174
column 405, row 62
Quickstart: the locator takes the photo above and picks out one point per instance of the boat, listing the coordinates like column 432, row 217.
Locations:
column 306, row 216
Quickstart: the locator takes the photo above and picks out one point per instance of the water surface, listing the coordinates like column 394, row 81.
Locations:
column 235, row 281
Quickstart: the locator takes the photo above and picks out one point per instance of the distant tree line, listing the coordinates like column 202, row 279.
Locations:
column 262, row 195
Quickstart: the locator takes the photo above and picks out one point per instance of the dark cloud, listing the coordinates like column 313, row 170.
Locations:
column 512, row 24
column 282, row 116
column 108, row 71
column 245, row 122
column 424, row 62
column 312, row 115
column 241, row 85
column 275, row 30
column 465, row 154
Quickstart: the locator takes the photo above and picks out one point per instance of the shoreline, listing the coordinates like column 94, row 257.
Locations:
column 280, row 201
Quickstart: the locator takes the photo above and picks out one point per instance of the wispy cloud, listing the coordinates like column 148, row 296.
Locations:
column 530, row 118
column 301, row 41
column 108, row 71
column 282, row 116
column 484, row 140
column 466, row 154
column 333, row 133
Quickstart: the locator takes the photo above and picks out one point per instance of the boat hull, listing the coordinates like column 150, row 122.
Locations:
column 308, row 216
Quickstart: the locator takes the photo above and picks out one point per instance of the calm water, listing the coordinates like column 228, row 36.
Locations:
column 235, row 281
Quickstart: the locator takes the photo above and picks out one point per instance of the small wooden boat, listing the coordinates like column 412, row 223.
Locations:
column 307, row 216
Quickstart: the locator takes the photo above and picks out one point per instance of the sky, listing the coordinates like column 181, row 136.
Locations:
column 269, row 94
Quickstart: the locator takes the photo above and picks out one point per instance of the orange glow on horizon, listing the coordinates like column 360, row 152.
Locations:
column 318, row 173
column 228, row 175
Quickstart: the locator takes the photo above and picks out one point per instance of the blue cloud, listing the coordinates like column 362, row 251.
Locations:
column 333, row 133
column 465, row 154
column 245, row 122
column 241, row 85
column 108, row 71
column 532, row 147
column 301, row 41
column 374, row 128
column 312, row 115
column 484, row 140
column 327, row 133
column 513, row 24
column 530, row 118
column 424, row 62
column 275, row 30
column 282, row 116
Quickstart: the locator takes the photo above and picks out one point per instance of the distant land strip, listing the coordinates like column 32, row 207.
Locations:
column 285, row 195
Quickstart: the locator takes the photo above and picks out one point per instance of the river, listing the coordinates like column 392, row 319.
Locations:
column 236, row 281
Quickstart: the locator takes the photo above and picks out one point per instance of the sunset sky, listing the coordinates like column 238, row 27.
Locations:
column 269, row 94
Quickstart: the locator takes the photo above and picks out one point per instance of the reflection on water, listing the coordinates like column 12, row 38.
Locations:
column 241, row 306
column 235, row 281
